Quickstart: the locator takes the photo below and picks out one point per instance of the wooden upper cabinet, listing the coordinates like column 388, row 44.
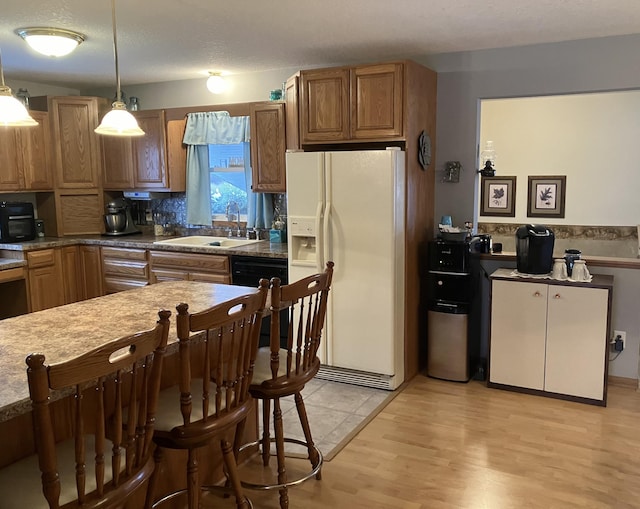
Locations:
column 376, row 101
column 324, row 105
column 77, row 151
column 268, row 147
column 350, row 104
column 141, row 162
column 292, row 119
column 11, row 176
column 117, row 162
column 35, row 146
column 149, row 151
column 25, row 156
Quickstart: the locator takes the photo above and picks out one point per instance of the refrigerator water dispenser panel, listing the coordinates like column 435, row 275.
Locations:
column 303, row 250
column 305, row 226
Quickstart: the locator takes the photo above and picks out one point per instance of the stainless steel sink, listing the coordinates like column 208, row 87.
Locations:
column 207, row 241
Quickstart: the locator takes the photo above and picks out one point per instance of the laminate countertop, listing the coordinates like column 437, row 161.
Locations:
column 592, row 261
column 64, row 332
column 263, row 249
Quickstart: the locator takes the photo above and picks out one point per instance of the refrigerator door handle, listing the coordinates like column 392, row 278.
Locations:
column 326, row 254
column 325, row 237
column 319, row 219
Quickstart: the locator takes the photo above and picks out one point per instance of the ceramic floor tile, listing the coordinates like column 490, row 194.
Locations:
column 339, row 396
column 334, row 410
column 372, row 402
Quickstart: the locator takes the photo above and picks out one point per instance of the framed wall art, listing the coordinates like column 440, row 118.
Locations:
column 546, row 196
column 498, row 196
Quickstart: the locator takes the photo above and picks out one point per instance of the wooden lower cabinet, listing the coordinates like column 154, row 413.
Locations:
column 172, row 266
column 550, row 338
column 91, row 270
column 46, row 281
column 71, row 275
column 124, row 269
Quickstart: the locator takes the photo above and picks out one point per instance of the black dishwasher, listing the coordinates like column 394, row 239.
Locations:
column 247, row 271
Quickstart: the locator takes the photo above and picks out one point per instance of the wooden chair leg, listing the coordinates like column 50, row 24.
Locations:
column 193, row 485
column 266, row 439
column 304, row 421
column 237, row 440
column 279, row 431
column 153, row 481
column 228, row 455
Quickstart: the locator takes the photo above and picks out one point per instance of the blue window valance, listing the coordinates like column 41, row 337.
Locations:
column 215, row 128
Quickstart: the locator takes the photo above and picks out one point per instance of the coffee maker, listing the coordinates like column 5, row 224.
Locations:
column 118, row 220
column 534, row 249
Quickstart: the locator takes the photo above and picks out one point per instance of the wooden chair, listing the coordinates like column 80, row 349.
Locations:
column 281, row 372
column 108, row 455
column 218, row 384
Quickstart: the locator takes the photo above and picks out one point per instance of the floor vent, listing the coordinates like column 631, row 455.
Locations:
column 351, row 376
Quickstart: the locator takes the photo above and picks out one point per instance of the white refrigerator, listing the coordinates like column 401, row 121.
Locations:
column 348, row 207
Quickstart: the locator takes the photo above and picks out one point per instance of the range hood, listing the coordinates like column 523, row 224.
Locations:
column 144, row 195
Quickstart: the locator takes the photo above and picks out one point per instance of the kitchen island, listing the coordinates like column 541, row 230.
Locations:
column 64, row 332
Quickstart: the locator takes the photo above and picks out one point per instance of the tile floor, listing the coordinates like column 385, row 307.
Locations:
column 334, row 410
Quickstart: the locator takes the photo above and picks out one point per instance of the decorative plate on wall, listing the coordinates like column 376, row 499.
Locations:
column 424, row 150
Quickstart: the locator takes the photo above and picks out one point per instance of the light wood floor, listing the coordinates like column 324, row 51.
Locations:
column 448, row 445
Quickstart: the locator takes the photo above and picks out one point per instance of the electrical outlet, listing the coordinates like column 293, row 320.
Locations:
column 623, row 336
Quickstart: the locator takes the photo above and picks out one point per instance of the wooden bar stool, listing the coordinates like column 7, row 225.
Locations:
column 284, row 371
column 107, row 455
column 216, row 366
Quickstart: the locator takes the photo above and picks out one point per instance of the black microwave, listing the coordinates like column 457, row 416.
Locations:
column 17, row 222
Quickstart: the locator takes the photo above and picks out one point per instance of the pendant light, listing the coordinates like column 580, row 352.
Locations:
column 118, row 122
column 12, row 112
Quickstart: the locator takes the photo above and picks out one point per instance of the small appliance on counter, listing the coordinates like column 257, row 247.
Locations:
column 17, row 222
column 534, row 249
column 118, row 220
column 480, row 243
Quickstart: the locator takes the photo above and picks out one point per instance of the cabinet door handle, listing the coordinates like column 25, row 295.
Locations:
column 537, row 294
column 557, row 296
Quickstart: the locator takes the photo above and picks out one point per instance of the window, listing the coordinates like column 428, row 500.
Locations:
column 227, row 180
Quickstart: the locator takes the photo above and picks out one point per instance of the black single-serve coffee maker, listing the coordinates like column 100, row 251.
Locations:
column 534, row 249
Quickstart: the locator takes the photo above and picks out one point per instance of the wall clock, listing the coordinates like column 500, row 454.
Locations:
column 424, row 150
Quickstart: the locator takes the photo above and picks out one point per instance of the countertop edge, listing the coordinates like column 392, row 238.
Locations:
column 604, row 281
column 592, row 261
column 263, row 249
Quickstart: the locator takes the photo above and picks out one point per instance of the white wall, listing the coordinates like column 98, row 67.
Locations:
column 241, row 88
column 464, row 79
column 36, row 89
column 606, row 64
column 592, row 139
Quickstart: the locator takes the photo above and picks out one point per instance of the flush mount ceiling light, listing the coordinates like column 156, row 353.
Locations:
column 216, row 83
column 118, row 122
column 53, row 42
column 12, row 112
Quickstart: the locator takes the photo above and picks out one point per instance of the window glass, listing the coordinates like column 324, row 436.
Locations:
column 227, row 180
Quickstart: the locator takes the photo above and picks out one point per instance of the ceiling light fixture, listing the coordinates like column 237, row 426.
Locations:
column 216, row 83
column 118, row 122
column 12, row 112
column 52, row 42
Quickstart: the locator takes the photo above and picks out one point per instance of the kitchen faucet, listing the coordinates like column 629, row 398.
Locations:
column 237, row 216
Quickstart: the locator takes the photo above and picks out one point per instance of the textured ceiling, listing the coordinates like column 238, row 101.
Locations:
column 166, row 40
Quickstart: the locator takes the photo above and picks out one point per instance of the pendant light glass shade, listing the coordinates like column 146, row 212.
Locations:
column 12, row 112
column 118, row 122
column 52, row 42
